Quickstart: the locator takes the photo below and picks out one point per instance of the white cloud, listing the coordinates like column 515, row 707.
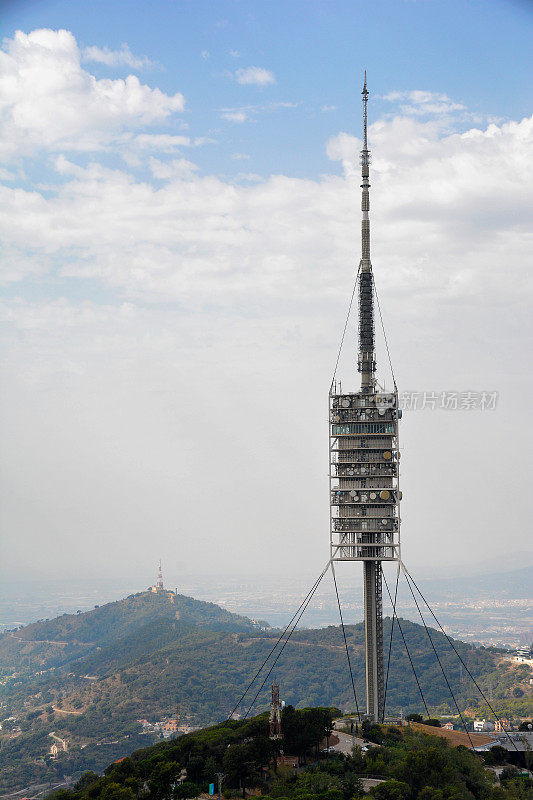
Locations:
column 234, row 115
column 48, row 101
column 254, row 75
column 161, row 141
column 116, row 58
column 431, row 193
column 222, row 294
column 423, row 102
column 247, row 113
column 168, row 170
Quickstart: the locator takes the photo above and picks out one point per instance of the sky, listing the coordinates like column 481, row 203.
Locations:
column 180, row 234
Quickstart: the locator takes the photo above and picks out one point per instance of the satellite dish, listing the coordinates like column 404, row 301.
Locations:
column 373, row 495
column 345, row 403
column 363, row 470
column 384, row 494
column 353, row 493
column 384, row 521
column 337, row 419
column 381, row 412
column 387, row 455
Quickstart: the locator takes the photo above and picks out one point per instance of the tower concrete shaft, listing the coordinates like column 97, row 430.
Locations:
column 364, row 464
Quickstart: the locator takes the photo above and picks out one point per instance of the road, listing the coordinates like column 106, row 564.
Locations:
column 347, row 741
column 35, row 790
column 64, row 711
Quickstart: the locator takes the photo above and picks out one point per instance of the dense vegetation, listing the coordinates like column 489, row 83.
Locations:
column 150, row 651
column 412, row 766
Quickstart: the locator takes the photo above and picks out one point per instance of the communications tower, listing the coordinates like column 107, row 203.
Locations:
column 364, row 464
column 275, row 713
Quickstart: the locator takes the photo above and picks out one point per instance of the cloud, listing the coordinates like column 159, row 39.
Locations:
column 431, row 193
column 234, row 115
column 254, row 75
column 218, row 294
column 49, row 102
column 328, row 108
column 423, row 102
column 116, row 58
column 168, row 143
column 246, row 113
column 168, row 170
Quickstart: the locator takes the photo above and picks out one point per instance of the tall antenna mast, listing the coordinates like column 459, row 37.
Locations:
column 364, row 464
column 366, row 362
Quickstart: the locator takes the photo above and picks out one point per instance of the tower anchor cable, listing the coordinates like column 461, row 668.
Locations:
column 450, row 642
column 309, row 595
column 345, row 642
column 407, row 651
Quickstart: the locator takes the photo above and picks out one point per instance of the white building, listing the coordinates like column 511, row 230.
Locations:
column 481, row 725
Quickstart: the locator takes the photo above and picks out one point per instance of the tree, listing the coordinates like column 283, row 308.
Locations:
column 391, row 790
column 508, row 772
column 414, row 718
column 86, row 780
column 496, row 755
column 430, row 793
column 372, row 732
column 186, row 790
column 195, row 768
column 161, row 778
column 236, row 766
column 113, row 791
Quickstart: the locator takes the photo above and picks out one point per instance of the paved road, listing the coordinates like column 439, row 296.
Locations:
column 34, row 790
column 346, row 742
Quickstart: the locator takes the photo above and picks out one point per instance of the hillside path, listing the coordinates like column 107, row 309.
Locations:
column 64, row 711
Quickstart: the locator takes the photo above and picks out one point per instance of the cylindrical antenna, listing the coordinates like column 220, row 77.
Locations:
column 366, row 362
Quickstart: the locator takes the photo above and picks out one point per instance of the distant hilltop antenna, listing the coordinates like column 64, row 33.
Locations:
column 158, row 587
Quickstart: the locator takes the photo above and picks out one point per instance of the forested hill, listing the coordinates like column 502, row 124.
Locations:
column 90, row 678
column 53, row 643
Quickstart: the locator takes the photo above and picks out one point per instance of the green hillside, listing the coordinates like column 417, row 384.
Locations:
column 150, row 651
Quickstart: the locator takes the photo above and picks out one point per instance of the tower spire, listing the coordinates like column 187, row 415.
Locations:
column 367, row 364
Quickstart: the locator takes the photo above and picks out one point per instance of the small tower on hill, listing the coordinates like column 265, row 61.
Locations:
column 275, row 713
column 158, row 587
